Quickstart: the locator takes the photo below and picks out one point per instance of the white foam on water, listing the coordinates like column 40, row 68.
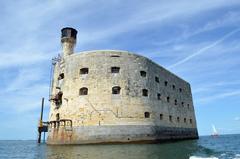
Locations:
column 237, row 156
column 198, row 157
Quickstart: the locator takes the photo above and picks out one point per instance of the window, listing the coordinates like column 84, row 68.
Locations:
column 145, row 92
column 185, row 120
column 180, row 89
column 143, row 73
column 157, row 79
column 116, row 90
column 178, row 119
column 188, row 106
column 159, row 96
column 115, row 69
column 58, row 99
column 190, row 121
column 147, row 115
column 114, row 56
column 166, row 83
column 173, row 87
column 170, row 118
column 161, row 116
column 175, row 101
column 83, row 71
column 168, row 99
column 83, row 91
column 61, row 76
column 183, row 104
column 57, row 117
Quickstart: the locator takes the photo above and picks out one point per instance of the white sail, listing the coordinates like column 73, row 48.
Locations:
column 214, row 130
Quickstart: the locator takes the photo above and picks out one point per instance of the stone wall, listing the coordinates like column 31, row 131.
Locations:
column 101, row 108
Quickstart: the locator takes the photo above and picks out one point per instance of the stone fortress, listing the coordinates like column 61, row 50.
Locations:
column 108, row 96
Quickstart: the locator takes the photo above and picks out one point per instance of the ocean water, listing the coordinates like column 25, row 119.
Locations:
column 222, row 147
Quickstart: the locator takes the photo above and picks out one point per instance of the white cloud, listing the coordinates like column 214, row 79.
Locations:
column 204, row 49
column 218, row 96
column 237, row 118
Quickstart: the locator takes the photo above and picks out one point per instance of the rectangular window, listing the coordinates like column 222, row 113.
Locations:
column 156, row 79
column 170, row 118
column 159, row 96
column 143, row 73
column 115, row 69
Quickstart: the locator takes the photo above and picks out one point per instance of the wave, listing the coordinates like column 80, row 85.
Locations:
column 198, row 157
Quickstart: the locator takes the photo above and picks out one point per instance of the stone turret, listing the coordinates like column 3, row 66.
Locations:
column 68, row 40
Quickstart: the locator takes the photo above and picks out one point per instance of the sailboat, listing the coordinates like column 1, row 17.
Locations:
column 215, row 133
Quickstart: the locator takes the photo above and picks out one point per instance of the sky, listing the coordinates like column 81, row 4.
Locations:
column 196, row 40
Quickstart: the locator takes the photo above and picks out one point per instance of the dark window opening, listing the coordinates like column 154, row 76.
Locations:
column 115, row 69
column 143, row 73
column 83, row 91
column 161, row 116
column 185, row 120
column 183, row 104
column 145, row 92
column 159, row 96
column 190, row 121
column 168, row 99
column 166, row 83
column 173, row 87
column 83, row 71
column 180, row 89
column 188, row 106
column 61, row 76
column 157, row 79
column 58, row 99
column 170, row 118
column 115, row 56
column 178, row 119
column 175, row 101
column 57, row 117
column 116, row 90
column 147, row 115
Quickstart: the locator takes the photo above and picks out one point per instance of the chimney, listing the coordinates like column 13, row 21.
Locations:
column 68, row 40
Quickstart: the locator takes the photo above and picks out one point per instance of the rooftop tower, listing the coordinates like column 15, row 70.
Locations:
column 68, row 40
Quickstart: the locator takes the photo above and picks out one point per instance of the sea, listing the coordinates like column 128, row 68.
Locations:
column 206, row 147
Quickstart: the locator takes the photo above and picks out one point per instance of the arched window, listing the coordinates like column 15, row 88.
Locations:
column 146, row 114
column 178, row 119
column 161, row 116
column 83, row 91
column 145, row 92
column 143, row 73
column 116, row 90
column 166, row 83
column 190, row 120
column 168, row 99
column 183, row 104
column 83, row 71
column 175, row 101
column 159, row 96
column 173, row 87
column 115, row 69
column 57, row 117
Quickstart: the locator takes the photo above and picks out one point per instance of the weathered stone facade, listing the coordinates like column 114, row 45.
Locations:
column 116, row 96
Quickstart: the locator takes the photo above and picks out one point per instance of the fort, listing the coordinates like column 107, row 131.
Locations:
column 109, row 96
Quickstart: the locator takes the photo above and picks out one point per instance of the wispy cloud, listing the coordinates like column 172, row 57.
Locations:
column 218, row 96
column 204, row 49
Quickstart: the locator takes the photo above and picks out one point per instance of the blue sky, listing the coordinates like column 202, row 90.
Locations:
column 197, row 40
